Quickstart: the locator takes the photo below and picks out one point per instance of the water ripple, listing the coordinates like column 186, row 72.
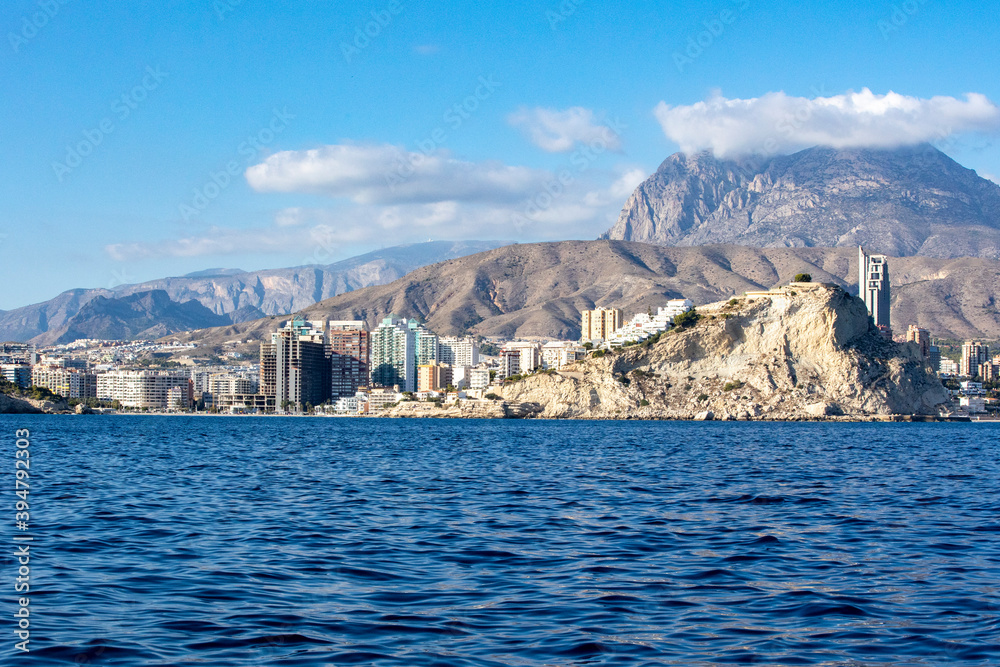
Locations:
column 369, row 542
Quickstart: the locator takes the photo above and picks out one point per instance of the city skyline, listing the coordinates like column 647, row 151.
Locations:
column 194, row 160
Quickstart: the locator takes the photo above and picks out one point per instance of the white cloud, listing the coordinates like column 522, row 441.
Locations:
column 289, row 217
column 560, row 131
column 778, row 123
column 385, row 174
column 400, row 196
column 583, row 207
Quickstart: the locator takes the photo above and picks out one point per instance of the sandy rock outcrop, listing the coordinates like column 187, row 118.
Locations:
column 25, row 406
column 465, row 409
column 807, row 353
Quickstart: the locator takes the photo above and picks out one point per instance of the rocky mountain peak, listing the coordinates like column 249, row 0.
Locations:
column 912, row 200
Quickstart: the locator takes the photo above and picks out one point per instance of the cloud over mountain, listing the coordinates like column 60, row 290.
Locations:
column 779, row 123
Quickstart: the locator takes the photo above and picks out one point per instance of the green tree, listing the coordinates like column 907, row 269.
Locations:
column 686, row 319
column 802, row 278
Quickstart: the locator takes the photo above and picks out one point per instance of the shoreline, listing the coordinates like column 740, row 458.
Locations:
column 852, row 419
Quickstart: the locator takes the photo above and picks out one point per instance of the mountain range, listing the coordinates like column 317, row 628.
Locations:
column 231, row 294
column 905, row 201
column 537, row 290
column 700, row 227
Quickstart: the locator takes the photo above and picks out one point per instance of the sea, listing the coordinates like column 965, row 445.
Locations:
column 186, row 540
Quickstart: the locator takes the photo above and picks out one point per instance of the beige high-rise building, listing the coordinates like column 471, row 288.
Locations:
column 433, row 377
column 974, row 353
column 600, row 323
column 921, row 337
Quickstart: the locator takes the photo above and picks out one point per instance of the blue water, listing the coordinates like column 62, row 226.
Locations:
column 284, row 541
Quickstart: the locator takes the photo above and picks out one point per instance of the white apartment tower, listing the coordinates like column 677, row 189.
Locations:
column 456, row 351
column 873, row 286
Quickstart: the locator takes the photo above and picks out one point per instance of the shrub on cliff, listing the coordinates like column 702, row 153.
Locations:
column 686, row 319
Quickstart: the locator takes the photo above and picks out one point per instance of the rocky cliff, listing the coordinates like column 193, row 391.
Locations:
column 806, row 353
column 906, row 201
column 16, row 405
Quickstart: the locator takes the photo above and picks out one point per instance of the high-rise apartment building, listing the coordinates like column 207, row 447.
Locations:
column 144, row 389
column 433, row 377
column 16, row 373
column 599, row 324
column 295, row 366
column 226, row 384
column 935, row 357
column 350, row 357
column 425, row 344
column 393, row 354
column 989, row 372
column 458, row 351
column 974, row 353
column 922, row 337
column 873, row 286
column 510, row 363
column 67, row 382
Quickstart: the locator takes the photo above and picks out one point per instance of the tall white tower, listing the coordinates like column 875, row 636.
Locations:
column 873, row 285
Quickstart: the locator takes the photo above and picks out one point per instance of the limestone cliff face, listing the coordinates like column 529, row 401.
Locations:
column 807, row 353
column 912, row 200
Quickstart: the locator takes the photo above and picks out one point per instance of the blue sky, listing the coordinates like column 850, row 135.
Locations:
column 154, row 139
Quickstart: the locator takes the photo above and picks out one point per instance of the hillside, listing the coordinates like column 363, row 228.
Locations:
column 539, row 289
column 241, row 296
column 143, row 315
column 809, row 353
column 906, row 201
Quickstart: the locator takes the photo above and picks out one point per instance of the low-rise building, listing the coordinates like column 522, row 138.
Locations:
column 479, row 378
column 973, row 404
column 380, row 397
column 530, row 354
column 559, row 353
column 244, row 403
column 644, row 325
